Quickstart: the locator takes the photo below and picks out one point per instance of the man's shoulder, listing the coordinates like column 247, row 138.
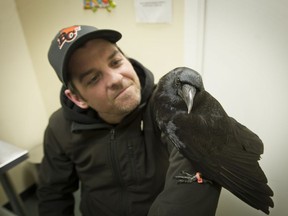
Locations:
column 57, row 115
column 58, row 124
column 57, row 118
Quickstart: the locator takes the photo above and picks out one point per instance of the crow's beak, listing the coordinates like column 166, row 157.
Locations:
column 188, row 92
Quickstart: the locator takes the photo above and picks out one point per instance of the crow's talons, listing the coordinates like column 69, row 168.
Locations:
column 187, row 178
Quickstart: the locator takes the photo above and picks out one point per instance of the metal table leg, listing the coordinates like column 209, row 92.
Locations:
column 16, row 202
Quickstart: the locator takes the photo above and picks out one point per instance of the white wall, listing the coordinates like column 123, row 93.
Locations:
column 22, row 113
column 245, row 67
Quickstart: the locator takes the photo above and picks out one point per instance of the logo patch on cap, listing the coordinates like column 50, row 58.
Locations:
column 67, row 35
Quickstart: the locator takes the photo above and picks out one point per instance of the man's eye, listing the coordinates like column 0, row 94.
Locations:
column 115, row 63
column 93, row 80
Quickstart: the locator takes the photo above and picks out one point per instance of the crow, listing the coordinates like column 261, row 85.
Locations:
column 222, row 150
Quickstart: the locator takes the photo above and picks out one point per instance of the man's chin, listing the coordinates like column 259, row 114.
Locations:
column 129, row 104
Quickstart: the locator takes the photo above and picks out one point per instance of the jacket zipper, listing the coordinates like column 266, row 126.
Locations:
column 113, row 152
column 132, row 162
column 116, row 169
column 131, row 155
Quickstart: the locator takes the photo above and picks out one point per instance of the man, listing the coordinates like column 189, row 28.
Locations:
column 104, row 135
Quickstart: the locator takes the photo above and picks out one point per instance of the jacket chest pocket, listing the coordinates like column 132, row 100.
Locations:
column 92, row 162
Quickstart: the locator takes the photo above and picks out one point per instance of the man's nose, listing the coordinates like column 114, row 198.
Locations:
column 114, row 80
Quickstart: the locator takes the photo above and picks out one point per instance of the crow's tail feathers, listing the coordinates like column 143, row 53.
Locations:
column 244, row 178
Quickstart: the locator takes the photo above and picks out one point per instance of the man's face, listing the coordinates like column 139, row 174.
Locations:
column 105, row 80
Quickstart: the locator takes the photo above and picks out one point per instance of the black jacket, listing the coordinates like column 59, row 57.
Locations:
column 121, row 168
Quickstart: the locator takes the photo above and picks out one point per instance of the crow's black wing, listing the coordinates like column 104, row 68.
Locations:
column 222, row 149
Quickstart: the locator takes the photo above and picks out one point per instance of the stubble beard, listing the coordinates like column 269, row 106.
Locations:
column 128, row 102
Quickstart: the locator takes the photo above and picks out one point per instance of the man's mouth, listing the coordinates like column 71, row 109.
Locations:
column 119, row 93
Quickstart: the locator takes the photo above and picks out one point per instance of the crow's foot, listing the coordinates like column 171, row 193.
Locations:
column 187, row 178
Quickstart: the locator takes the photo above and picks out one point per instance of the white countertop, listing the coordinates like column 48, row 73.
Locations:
column 10, row 156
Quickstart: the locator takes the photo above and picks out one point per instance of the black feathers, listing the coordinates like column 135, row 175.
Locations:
column 219, row 147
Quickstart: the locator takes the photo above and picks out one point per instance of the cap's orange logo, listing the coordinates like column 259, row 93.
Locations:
column 67, row 35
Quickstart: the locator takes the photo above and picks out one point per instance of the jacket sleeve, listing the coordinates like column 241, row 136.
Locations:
column 57, row 180
column 191, row 199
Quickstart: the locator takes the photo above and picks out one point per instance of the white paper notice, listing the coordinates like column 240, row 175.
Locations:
column 153, row 11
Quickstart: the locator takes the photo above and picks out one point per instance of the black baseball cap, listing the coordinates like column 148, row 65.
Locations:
column 69, row 39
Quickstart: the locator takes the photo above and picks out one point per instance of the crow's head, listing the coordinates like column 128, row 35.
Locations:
column 181, row 84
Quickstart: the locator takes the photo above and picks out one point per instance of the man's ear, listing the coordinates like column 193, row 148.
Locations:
column 76, row 99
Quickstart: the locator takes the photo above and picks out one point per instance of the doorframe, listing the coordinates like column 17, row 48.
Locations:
column 194, row 32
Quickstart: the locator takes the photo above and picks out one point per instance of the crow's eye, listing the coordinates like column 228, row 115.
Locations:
column 177, row 82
